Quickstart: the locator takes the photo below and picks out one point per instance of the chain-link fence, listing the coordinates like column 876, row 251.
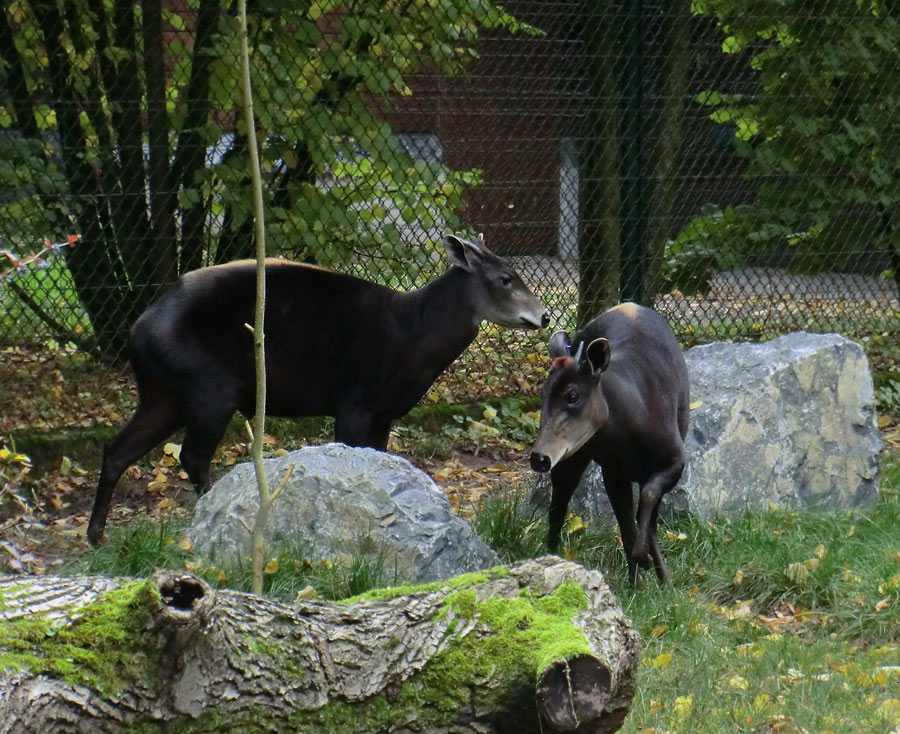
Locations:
column 735, row 164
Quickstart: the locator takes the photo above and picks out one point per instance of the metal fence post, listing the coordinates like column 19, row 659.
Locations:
column 633, row 209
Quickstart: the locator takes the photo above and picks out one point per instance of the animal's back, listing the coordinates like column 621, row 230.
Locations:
column 199, row 326
column 645, row 353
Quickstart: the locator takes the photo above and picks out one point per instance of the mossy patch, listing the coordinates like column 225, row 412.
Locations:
column 100, row 648
column 522, row 636
column 392, row 592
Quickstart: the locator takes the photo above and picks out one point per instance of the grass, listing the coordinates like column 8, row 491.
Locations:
column 54, row 291
column 142, row 546
column 775, row 621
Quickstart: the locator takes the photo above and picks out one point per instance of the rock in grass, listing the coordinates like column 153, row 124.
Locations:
column 790, row 422
column 342, row 500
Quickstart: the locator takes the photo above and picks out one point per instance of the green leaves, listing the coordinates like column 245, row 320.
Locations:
column 820, row 136
column 339, row 188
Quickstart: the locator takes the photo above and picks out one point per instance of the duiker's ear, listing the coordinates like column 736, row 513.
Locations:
column 559, row 345
column 462, row 253
column 597, row 355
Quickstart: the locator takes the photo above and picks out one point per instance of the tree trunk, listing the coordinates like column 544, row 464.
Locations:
column 539, row 647
column 599, row 256
column 664, row 156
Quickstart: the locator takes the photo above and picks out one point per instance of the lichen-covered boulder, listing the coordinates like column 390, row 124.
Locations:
column 343, row 500
column 790, row 422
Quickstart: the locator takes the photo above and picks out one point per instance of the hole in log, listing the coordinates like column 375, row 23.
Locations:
column 182, row 592
column 572, row 692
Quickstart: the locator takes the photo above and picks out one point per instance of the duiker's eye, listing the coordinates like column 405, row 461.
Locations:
column 572, row 397
column 506, row 281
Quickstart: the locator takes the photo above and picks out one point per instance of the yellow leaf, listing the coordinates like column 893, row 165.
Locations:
column 761, row 700
column 306, row 593
column 797, row 572
column 675, row 536
column 738, row 682
column 489, row 413
column 883, row 603
column 884, row 421
column 812, row 563
column 193, row 565
column 279, row 452
column 65, row 466
column 655, row 706
column 158, row 484
column 683, row 706
column 271, row 566
column 222, row 576
column 662, row 660
column 738, row 578
column 173, row 450
column 890, row 711
column 851, row 530
column 166, row 503
column 657, row 631
column 186, row 544
column 574, row 523
column 696, row 404
column 820, row 551
column 387, row 520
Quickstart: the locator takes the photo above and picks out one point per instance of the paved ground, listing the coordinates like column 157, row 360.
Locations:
column 767, row 296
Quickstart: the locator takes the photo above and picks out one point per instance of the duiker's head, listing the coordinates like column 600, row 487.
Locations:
column 498, row 292
column 573, row 407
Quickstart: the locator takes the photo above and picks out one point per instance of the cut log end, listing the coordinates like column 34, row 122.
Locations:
column 573, row 692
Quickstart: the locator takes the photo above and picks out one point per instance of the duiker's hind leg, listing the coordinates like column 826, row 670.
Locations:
column 648, row 510
column 154, row 420
column 658, row 562
column 206, row 422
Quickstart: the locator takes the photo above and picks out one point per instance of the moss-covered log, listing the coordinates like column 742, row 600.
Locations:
column 541, row 646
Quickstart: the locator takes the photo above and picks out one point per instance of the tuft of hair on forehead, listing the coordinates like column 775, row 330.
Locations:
column 560, row 362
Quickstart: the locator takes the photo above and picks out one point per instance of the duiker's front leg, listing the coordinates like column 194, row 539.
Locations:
column 618, row 489
column 564, row 477
column 352, row 424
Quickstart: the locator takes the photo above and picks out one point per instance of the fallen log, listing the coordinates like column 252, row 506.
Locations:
column 538, row 647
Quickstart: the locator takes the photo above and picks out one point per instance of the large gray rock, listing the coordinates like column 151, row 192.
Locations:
column 344, row 500
column 790, row 422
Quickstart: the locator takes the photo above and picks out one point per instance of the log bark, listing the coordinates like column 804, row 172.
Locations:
column 538, row 647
